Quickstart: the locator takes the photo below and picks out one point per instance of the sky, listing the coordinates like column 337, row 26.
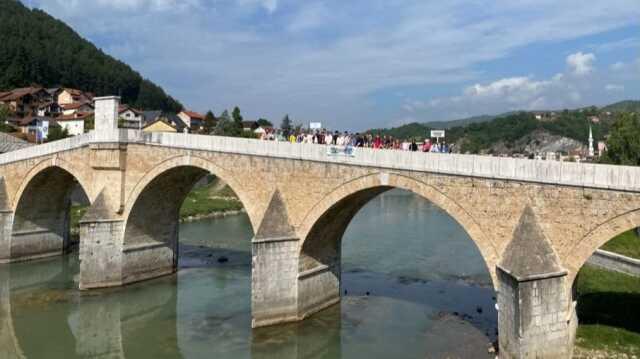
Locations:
column 361, row 64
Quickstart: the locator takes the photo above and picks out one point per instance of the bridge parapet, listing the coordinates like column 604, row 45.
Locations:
column 621, row 178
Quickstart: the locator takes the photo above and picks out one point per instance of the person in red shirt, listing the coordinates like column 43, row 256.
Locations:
column 377, row 143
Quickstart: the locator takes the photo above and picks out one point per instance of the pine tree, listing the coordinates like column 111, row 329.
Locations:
column 285, row 126
column 237, row 120
column 209, row 122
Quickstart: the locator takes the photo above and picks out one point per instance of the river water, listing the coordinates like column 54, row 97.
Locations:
column 429, row 296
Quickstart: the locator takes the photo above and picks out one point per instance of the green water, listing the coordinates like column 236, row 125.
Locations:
column 429, row 297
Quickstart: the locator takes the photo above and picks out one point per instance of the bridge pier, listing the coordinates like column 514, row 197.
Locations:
column 101, row 255
column 274, row 268
column 536, row 316
column 6, row 222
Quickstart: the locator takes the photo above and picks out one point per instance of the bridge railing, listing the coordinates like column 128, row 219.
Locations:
column 548, row 172
column 539, row 171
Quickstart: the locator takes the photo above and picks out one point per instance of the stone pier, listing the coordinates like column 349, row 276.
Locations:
column 274, row 298
column 536, row 316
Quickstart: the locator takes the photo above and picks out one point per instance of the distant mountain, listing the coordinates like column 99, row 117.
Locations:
column 623, row 106
column 37, row 49
column 518, row 132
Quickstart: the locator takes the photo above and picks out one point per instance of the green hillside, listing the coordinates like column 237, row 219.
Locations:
column 507, row 129
column 623, row 106
column 38, row 49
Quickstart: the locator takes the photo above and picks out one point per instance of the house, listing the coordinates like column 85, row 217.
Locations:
column 24, row 101
column 74, row 124
column 49, row 108
column 191, row 119
column 53, row 93
column 594, row 119
column 73, row 108
column 67, row 96
column 166, row 123
column 130, row 117
column 249, row 125
column 36, row 126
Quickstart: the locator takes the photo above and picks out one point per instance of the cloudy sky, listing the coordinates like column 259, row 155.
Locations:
column 369, row 63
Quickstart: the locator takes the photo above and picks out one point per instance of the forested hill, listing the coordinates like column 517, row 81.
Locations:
column 512, row 132
column 37, row 49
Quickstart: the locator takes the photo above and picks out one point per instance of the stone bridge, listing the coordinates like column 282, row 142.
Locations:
column 535, row 222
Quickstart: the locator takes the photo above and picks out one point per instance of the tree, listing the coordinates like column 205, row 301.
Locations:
column 89, row 123
column 209, row 122
column 237, row 120
column 285, row 126
column 4, row 113
column 57, row 133
column 264, row 123
column 226, row 126
column 623, row 145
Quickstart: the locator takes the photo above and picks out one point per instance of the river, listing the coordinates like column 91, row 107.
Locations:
column 416, row 287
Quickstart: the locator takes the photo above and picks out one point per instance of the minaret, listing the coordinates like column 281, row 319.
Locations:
column 591, row 151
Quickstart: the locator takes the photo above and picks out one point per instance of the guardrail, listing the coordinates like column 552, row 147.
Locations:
column 615, row 262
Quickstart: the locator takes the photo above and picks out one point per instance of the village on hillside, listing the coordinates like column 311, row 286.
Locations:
column 37, row 112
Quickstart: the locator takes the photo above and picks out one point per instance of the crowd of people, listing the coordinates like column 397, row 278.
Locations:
column 367, row 140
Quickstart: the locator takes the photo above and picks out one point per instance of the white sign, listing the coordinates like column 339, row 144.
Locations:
column 346, row 151
column 437, row 133
column 315, row 125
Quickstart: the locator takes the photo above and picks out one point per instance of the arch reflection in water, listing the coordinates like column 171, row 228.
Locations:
column 418, row 266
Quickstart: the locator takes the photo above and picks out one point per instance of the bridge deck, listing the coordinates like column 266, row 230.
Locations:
column 586, row 175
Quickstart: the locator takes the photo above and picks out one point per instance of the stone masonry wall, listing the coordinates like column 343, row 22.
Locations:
column 576, row 220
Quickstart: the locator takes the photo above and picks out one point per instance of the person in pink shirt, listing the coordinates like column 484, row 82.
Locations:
column 426, row 146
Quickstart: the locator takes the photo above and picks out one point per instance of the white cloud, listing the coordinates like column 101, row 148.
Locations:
column 514, row 88
column 614, row 87
column 581, row 64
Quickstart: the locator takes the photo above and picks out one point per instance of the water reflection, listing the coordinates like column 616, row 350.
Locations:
column 415, row 286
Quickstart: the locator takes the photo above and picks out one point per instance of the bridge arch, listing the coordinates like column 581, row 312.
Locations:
column 41, row 205
column 81, row 174
column 324, row 225
column 599, row 236
column 152, row 214
column 186, row 162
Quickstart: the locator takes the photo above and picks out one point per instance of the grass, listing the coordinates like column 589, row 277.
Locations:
column 608, row 311
column 627, row 244
column 199, row 201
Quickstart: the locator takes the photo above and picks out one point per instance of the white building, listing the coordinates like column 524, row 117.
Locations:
column 132, row 118
column 74, row 124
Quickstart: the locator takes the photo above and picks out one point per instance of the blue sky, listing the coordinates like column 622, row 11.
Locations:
column 371, row 63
